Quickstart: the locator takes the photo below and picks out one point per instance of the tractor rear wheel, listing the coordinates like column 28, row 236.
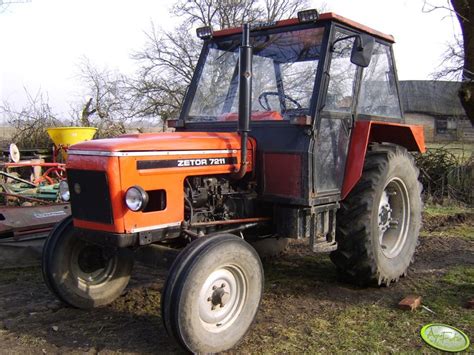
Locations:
column 212, row 293
column 81, row 274
column 379, row 222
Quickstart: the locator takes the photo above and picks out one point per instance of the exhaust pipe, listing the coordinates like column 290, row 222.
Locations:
column 245, row 98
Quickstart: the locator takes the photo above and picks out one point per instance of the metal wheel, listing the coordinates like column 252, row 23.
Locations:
column 212, row 293
column 81, row 274
column 393, row 217
column 379, row 222
column 222, row 297
column 90, row 264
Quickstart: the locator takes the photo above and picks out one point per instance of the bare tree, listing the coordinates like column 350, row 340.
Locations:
column 219, row 14
column 31, row 121
column 452, row 61
column 465, row 13
column 108, row 106
column 4, row 4
column 168, row 59
column 167, row 64
column 460, row 51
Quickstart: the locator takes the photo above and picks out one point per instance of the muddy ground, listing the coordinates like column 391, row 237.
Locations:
column 305, row 307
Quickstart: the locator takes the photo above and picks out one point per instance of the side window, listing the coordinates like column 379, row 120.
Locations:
column 342, row 75
column 378, row 92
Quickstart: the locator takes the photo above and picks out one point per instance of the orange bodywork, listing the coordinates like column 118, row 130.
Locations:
column 365, row 132
column 118, row 157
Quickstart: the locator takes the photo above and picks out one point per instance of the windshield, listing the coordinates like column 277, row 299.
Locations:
column 284, row 71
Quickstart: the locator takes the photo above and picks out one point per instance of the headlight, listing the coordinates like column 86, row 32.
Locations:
column 64, row 191
column 136, row 198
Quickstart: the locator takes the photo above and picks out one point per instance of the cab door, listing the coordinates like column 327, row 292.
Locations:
column 336, row 117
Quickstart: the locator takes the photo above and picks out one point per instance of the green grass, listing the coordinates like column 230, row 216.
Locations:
column 370, row 326
column 449, row 210
column 465, row 232
column 306, row 309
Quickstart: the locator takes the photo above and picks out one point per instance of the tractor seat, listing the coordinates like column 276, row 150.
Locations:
column 255, row 116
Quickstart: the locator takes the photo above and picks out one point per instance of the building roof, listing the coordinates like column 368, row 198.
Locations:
column 431, row 97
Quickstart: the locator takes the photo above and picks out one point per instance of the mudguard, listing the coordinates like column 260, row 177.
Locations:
column 365, row 132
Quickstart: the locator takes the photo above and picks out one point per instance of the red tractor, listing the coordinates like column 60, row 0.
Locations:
column 289, row 129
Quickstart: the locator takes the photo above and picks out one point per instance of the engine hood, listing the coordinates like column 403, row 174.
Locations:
column 162, row 142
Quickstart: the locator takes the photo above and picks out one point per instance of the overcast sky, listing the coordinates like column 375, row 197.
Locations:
column 43, row 41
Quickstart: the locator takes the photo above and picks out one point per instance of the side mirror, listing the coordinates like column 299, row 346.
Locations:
column 362, row 50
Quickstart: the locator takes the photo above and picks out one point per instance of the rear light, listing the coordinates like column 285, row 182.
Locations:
column 308, row 15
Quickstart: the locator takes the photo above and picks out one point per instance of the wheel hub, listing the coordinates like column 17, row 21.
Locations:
column 385, row 213
column 90, row 259
column 91, row 265
column 222, row 297
column 219, row 297
column 393, row 217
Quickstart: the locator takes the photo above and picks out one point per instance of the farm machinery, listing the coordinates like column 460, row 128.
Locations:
column 289, row 129
column 29, row 192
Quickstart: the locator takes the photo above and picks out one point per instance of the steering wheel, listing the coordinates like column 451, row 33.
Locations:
column 266, row 106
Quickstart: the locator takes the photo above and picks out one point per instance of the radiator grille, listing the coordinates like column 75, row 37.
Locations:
column 90, row 197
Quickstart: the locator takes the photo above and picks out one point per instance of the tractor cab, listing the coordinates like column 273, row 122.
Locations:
column 314, row 78
column 301, row 68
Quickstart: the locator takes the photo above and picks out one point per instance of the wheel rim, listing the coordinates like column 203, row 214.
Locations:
column 393, row 217
column 222, row 297
column 90, row 265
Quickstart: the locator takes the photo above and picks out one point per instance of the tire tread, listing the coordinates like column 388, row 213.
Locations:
column 354, row 257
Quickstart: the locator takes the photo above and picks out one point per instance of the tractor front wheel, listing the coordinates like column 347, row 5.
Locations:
column 81, row 274
column 379, row 222
column 212, row 293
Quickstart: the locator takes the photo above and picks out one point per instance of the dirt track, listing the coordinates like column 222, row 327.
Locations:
column 303, row 303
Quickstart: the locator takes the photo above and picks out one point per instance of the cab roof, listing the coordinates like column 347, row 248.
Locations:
column 328, row 16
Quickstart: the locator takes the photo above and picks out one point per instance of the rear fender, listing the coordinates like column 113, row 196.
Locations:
column 365, row 132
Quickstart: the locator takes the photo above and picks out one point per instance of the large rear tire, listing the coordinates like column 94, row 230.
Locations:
column 81, row 274
column 212, row 293
column 379, row 222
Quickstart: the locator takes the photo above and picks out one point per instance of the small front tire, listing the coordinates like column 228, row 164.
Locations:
column 81, row 274
column 212, row 293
